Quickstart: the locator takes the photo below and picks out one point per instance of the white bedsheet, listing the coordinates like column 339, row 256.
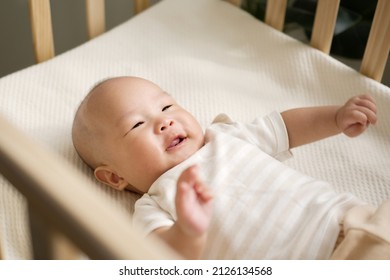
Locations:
column 213, row 58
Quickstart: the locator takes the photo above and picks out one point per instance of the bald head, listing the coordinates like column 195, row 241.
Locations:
column 85, row 132
column 89, row 131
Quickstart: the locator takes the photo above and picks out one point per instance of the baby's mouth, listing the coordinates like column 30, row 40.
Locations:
column 177, row 141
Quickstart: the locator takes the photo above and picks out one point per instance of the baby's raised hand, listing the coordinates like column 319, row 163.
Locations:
column 193, row 203
column 356, row 115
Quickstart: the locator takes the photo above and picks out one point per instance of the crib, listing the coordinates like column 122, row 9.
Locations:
column 214, row 57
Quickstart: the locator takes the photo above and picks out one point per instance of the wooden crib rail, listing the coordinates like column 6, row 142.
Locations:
column 62, row 202
column 41, row 24
column 95, row 15
column 275, row 13
column 378, row 45
column 373, row 63
column 324, row 24
column 41, row 27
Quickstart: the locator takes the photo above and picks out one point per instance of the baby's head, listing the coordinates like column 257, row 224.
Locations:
column 129, row 131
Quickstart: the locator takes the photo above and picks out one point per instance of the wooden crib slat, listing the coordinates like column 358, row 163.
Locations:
column 48, row 242
column 324, row 24
column 95, row 15
column 42, row 33
column 66, row 200
column 378, row 45
column 140, row 5
column 275, row 13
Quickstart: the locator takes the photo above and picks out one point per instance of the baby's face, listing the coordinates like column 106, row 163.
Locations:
column 147, row 132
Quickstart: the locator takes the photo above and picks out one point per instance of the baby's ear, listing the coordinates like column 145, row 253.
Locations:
column 109, row 177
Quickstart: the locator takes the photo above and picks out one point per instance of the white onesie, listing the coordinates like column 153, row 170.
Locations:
column 262, row 208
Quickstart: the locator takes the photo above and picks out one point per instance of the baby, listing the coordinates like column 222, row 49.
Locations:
column 223, row 193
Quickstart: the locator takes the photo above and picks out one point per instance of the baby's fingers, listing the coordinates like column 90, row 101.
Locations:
column 366, row 105
column 190, row 175
column 356, row 122
column 364, row 116
column 204, row 193
column 365, row 100
column 190, row 179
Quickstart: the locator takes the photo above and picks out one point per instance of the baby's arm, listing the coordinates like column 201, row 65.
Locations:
column 306, row 125
column 194, row 210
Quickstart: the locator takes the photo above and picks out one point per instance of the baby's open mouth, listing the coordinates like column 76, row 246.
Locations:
column 176, row 142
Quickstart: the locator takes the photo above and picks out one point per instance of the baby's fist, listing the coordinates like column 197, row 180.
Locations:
column 356, row 115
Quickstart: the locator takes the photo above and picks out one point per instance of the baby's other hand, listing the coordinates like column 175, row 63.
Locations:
column 355, row 116
column 193, row 203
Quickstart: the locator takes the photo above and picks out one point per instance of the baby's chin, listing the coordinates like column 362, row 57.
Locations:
column 178, row 160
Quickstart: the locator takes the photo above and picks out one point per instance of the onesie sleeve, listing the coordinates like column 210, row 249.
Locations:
column 269, row 133
column 149, row 216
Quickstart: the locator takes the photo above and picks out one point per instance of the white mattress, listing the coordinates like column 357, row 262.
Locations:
column 213, row 58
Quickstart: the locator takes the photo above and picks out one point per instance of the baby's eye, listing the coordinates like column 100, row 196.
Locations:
column 137, row 125
column 166, row 107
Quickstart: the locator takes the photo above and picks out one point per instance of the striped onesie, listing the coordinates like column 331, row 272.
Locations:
column 263, row 209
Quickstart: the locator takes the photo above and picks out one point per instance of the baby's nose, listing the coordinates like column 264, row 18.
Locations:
column 165, row 124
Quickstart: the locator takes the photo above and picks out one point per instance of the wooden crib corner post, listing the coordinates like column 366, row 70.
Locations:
column 378, row 44
column 42, row 33
column 140, row 5
column 324, row 24
column 95, row 15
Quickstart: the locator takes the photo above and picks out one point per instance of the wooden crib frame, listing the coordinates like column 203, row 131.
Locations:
column 373, row 63
column 59, row 223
